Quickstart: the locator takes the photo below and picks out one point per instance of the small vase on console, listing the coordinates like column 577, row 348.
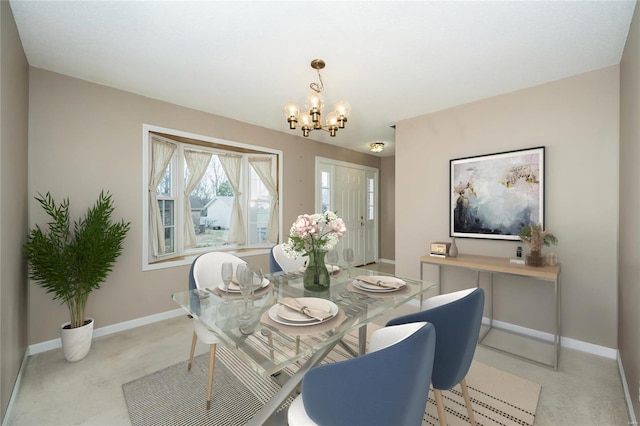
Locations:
column 453, row 250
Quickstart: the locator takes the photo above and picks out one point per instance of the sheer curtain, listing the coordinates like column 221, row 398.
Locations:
column 231, row 164
column 161, row 153
column 197, row 164
column 263, row 167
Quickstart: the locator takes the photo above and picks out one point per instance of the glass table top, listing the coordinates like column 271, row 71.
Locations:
column 268, row 345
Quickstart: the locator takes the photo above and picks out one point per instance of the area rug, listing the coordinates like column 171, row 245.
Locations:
column 175, row 396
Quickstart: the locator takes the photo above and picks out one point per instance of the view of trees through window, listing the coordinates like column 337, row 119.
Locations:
column 211, row 205
column 211, row 202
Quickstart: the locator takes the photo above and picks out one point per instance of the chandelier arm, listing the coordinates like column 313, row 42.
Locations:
column 317, row 87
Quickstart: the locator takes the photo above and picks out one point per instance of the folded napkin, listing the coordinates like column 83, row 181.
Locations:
column 377, row 281
column 294, row 304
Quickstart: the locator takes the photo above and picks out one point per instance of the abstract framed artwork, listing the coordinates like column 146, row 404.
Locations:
column 494, row 196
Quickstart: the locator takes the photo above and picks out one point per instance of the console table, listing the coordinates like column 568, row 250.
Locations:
column 503, row 265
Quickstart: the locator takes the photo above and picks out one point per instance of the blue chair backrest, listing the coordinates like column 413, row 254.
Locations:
column 458, row 326
column 385, row 387
column 273, row 265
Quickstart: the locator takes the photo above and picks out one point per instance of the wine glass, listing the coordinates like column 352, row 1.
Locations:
column 245, row 282
column 227, row 275
column 349, row 257
column 240, row 268
column 257, row 277
column 332, row 259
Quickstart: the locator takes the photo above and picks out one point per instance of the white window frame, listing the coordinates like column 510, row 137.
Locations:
column 186, row 256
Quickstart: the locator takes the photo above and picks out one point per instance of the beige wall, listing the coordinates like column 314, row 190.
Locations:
column 85, row 137
column 387, row 188
column 577, row 120
column 629, row 259
column 13, row 205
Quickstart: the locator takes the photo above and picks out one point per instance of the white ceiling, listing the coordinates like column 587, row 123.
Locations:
column 389, row 60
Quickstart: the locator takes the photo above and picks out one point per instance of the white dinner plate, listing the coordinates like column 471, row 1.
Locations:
column 273, row 313
column 235, row 288
column 377, row 289
column 330, row 268
column 292, row 315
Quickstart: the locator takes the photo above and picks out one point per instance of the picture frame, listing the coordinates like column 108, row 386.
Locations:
column 494, row 196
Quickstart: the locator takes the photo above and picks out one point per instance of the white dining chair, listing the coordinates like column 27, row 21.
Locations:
column 286, row 263
column 205, row 272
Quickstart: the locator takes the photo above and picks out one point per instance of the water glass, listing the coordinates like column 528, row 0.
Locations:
column 332, row 259
column 349, row 257
column 227, row 275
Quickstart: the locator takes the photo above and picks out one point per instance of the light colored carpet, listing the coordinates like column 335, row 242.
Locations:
column 175, row 396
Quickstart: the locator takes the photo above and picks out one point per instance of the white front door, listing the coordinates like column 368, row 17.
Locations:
column 350, row 190
column 350, row 205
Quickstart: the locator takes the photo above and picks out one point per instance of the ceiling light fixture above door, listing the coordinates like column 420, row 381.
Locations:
column 311, row 119
column 376, row 146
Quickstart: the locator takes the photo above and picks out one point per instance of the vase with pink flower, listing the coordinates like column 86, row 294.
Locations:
column 312, row 235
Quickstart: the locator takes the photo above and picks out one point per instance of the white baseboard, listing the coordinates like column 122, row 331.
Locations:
column 392, row 262
column 14, row 391
column 625, row 388
column 110, row 329
column 565, row 342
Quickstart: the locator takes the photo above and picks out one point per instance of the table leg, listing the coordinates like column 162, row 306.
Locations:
column 362, row 340
column 269, row 409
column 556, row 337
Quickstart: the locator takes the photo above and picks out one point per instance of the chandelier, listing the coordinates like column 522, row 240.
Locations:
column 311, row 119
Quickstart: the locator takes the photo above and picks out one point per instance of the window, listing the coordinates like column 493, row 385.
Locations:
column 206, row 194
column 371, row 205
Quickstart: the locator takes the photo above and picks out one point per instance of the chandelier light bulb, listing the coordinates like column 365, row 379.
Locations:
column 332, row 123
column 291, row 112
column 305, row 119
column 343, row 110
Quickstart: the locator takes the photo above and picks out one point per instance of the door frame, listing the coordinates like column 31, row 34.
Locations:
column 321, row 164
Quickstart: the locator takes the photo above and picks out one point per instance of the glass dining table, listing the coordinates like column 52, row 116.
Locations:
column 268, row 343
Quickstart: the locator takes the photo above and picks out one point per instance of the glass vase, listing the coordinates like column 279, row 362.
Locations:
column 535, row 258
column 316, row 276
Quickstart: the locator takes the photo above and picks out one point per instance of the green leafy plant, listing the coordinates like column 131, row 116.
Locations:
column 71, row 263
column 535, row 237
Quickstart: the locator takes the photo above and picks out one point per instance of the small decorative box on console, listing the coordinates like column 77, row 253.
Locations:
column 440, row 249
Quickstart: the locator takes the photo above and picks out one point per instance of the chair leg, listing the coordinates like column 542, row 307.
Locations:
column 440, row 404
column 194, row 339
column 212, row 358
column 467, row 401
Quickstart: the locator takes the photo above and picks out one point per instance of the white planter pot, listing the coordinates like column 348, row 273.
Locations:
column 76, row 342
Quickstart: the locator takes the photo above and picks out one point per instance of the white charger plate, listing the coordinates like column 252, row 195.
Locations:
column 299, row 319
column 377, row 289
column 234, row 288
column 330, row 268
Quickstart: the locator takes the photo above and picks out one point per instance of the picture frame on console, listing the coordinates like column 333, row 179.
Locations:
column 493, row 196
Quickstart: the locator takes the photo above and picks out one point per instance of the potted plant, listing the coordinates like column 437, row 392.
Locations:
column 72, row 262
column 535, row 237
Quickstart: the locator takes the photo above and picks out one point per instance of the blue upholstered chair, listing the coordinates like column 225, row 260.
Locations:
column 457, row 318
column 205, row 272
column 278, row 259
column 274, row 266
column 384, row 387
